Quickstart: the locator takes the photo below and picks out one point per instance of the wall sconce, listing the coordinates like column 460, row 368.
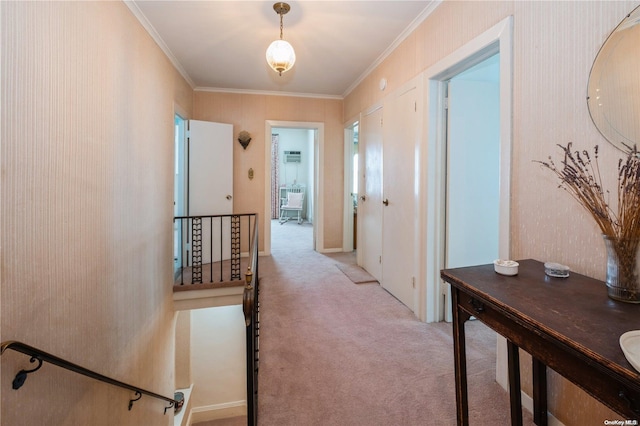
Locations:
column 244, row 138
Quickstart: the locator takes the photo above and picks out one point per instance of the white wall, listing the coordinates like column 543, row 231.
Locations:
column 87, row 152
column 311, row 138
column 218, row 360
column 298, row 173
column 294, row 140
column 473, row 171
column 554, row 45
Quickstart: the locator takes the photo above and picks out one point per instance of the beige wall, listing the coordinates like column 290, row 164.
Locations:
column 554, row 46
column 250, row 112
column 87, row 207
column 87, row 107
column 218, row 360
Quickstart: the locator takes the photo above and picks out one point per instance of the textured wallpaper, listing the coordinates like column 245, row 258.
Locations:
column 87, row 151
column 555, row 44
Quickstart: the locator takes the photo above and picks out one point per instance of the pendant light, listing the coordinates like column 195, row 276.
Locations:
column 280, row 54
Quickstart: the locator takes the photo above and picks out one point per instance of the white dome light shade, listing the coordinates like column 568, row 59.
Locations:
column 280, row 56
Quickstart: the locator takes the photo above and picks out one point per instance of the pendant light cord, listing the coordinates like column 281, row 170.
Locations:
column 280, row 23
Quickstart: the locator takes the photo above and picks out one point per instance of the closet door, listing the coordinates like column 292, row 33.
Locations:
column 399, row 193
column 370, row 193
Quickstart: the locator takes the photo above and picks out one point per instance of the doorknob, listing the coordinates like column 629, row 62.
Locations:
column 228, row 197
column 363, row 198
column 385, row 202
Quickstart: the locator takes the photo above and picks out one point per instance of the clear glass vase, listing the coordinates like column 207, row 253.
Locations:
column 623, row 269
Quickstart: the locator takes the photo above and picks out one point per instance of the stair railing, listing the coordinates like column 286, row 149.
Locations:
column 207, row 243
column 251, row 309
column 41, row 356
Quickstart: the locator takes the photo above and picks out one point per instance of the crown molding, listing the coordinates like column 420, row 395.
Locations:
column 267, row 93
column 133, row 7
column 411, row 28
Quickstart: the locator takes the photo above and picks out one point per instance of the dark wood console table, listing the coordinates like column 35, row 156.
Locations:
column 568, row 324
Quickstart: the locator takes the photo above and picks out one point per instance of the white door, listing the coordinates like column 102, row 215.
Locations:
column 399, row 183
column 210, row 192
column 370, row 203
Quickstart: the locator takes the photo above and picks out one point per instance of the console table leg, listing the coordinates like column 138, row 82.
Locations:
column 513, row 361
column 460, row 359
column 539, row 392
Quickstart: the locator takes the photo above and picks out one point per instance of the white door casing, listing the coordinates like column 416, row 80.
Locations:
column 496, row 39
column 317, row 204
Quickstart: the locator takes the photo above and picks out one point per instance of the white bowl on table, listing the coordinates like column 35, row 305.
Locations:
column 630, row 344
column 506, row 267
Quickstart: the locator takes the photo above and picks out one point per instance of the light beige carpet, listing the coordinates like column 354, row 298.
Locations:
column 337, row 354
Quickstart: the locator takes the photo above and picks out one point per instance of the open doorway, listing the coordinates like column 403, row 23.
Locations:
column 350, row 222
column 292, row 189
column 179, row 189
column 294, row 158
column 496, row 40
column 493, row 45
column 472, row 215
column 292, row 173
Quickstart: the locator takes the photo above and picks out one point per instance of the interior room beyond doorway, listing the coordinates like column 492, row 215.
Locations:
column 292, row 176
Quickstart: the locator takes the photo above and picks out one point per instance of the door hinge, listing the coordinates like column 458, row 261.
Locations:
column 413, row 282
column 380, row 259
column 381, row 122
column 415, row 106
column 446, row 103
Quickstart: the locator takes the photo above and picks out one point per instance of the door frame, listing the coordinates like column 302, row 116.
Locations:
column 180, row 155
column 318, row 184
column 347, row 220
column 499, row 38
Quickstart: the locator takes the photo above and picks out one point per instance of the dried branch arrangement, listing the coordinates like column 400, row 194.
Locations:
column 579, row 175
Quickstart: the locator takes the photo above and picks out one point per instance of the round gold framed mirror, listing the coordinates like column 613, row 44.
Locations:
column 613, row 92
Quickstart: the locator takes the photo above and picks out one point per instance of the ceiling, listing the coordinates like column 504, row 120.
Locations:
column 221, row 45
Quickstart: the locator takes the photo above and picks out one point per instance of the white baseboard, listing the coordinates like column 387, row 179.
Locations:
column 527, row 403
column 502, row 377
column 218, row 411
column 331, row 250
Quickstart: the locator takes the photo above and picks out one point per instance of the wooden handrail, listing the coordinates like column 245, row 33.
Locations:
column 42, row 356
column 251, row 307
column 251, row 276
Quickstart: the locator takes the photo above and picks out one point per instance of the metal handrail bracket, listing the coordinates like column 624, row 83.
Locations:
column 42, row 356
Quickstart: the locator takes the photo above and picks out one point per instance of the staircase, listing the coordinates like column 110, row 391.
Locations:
column 209, row 275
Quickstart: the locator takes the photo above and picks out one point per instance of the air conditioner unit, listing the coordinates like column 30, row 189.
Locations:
column 292, row 157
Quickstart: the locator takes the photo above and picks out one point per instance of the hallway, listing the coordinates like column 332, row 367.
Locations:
column 337, row 353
